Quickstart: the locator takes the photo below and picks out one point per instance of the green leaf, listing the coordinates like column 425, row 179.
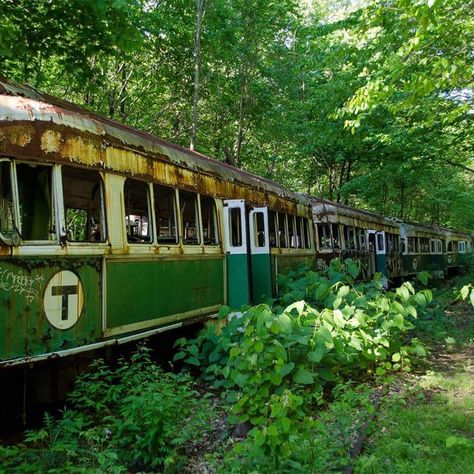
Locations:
column 399, row 320
column 339, row 318
column 343, row 291
column 285, row 424
column 396, row 357
column 303, row 376
column 259, row 437
column 472, row 297
column 316, row 355
column 380, row 371
column 287, row 368
column 337, row 303
column 193, row 361
column 423, row 277
column 321, row 291
column 325, row 333
column 286, row 323
column 179, row 355
column 259, row 346
column 464, row 292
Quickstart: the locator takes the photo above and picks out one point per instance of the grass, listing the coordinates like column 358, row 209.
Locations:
column 426, row 423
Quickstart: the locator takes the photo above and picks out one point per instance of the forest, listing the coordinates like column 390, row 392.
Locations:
column 368, row 103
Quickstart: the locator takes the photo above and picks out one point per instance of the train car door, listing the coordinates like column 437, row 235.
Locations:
column 260, row 263
column 236, row 247
column 377, row 246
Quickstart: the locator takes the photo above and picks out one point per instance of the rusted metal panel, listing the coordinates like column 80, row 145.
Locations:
column 36, row 125
column 332, row 212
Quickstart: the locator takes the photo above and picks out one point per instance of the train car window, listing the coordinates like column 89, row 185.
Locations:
column 362, row 241
column 413, row 244
column 6, row 201
column 380, row 242
column 461, row 246
column 292, row 232
column 324, row 236
column 83, row 205
column 350, row 237
column 450, row 246
column 282, row 231
column 272, row 227
column 137, row 211
column 259, row 226
column 336, row 237
column 209, row 220
column 433, row 246
column 189, row 217
column 165, row 213
column 440, row 245
column 306, row 234
column 235, row 227
column 403, row 245
column 299, row 232
column 36, row 200
column 424, row 245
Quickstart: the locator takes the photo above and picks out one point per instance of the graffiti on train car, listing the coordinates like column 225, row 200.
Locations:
column 21, row 283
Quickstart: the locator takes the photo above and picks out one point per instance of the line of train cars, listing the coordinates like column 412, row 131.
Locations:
column 108, row 234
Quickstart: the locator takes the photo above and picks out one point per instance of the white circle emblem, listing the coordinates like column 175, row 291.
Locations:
column 64, row 299
column 450, row 259
column 415, row 264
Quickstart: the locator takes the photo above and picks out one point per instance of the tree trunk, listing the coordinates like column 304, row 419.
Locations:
column 197, row 64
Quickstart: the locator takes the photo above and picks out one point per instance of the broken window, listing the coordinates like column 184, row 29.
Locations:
column 424, row 245
column 83, row 205
column 349, row 235
column 235, row 227
column 282, row 231
column 189, row 217
column 165, row 213
column 324, row 236
column 306, row 234
column 6, row 201
column 36, row 202
column 432, row 246
column 272, row 225
column 413, row 244
column 450, row 246
column 292, row 232
column 299, row 232
column 137, row 211
column 209, row 220
column 336, row 236
column 361, row 238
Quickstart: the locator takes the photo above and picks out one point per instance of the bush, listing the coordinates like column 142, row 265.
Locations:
column 134, row 417
column 278, row 363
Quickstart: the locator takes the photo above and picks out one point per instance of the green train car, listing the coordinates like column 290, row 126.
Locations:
column 108, row 234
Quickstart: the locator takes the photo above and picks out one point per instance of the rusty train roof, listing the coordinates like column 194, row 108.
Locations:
column 323, row 207
column 19, row 102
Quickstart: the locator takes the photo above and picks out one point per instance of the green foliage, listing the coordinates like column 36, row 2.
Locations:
column 278, row 363
column 133, row 417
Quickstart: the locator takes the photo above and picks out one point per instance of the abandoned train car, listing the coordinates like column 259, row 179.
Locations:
column 108, row 234
column 345, row 232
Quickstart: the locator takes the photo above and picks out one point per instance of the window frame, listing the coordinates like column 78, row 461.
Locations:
column 217, row 241
column 150, row 200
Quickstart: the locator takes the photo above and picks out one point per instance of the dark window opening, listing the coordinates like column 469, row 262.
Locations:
column 282, row 232
column 380, row 242
column 137, row 211
column 209, row 220
column 299, row 232
column 165, row 213
column 292, row 237
column 336, row 238
column 324, row 236
column 189, row 218
column 272, row 225
column 307, row 234
column 450, row 246
column 424, row 245
column 7, row 225
column 83, row 205
column 36, row 199
column 259, row 229
column 235, row 227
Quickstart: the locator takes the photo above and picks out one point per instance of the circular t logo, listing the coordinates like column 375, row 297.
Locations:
column 64, row 299
column 415, row 264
